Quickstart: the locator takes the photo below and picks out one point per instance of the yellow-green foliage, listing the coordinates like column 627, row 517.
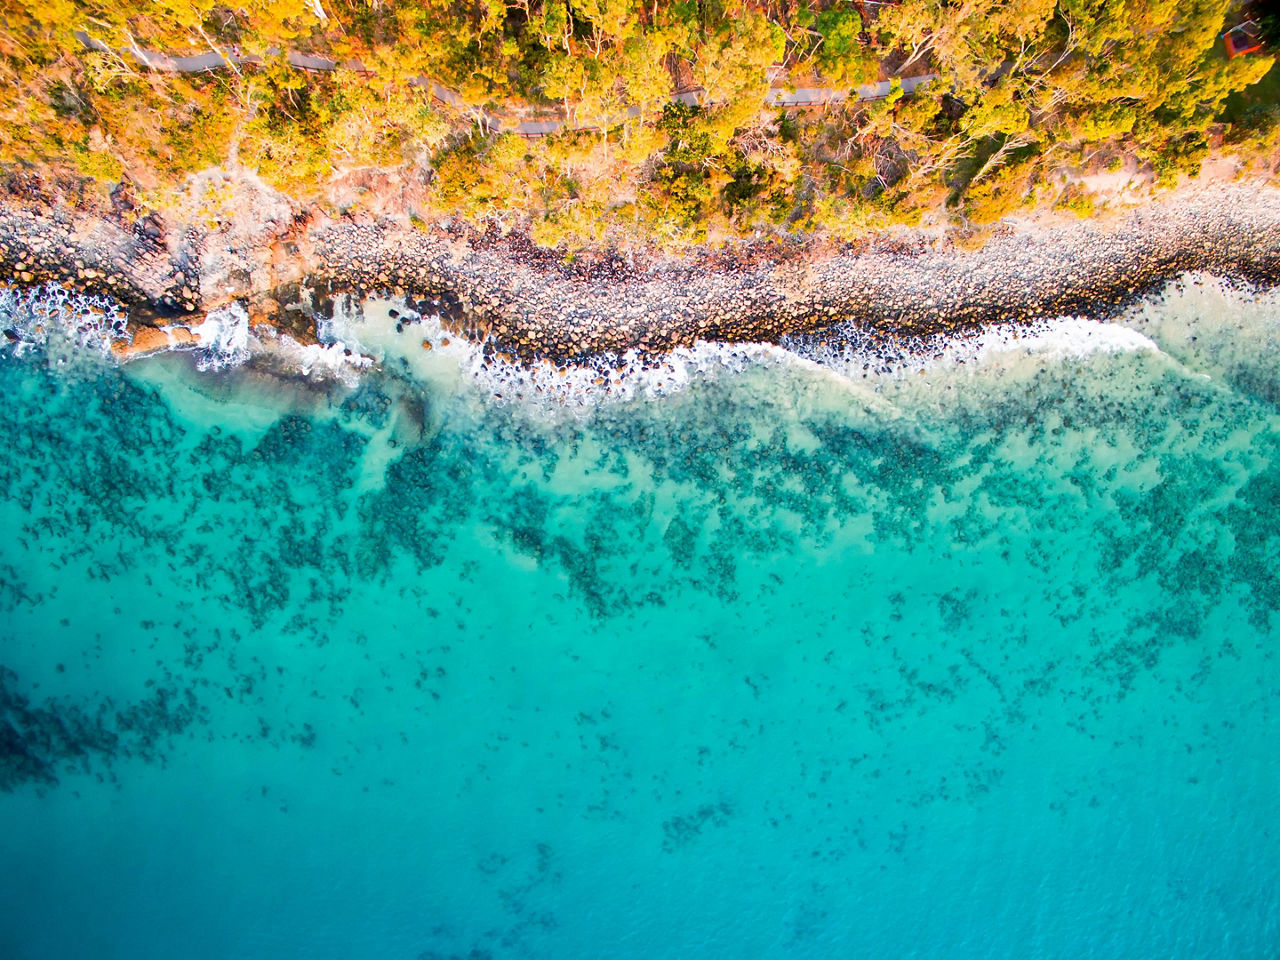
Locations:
column 1078, row 200
column 1022, row 85
column 96, row 164
column 1002, row 193
column 848, row 218
column 300, row 130
column 1104, row 122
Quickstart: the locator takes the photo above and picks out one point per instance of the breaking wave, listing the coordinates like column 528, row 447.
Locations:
column 385, row 332
column 59, row 324
column 223, row 338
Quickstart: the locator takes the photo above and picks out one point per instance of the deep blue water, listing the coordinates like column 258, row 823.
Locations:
column 978, row 662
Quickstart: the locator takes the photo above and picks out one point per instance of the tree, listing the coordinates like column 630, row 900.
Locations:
column 840, row 55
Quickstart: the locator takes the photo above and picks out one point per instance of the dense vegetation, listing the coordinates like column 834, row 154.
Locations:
column 1026, row 89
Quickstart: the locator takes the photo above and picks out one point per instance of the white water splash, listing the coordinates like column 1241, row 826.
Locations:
column 849, row 352
column 613, row 377
column 223, row 338
column 421, row 345
column 59, row 323
column 858, row 360
column 395, row 335
column 319, row 361
column 358, row 336
column 1064, row 337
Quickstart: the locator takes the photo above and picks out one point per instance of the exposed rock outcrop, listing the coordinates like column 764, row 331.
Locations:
column 284, row 264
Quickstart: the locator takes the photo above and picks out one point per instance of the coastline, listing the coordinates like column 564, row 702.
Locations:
column 285, row 267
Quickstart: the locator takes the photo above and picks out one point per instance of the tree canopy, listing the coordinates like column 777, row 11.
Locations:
column 1024, row 90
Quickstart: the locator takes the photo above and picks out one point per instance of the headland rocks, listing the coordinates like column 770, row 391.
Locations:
column 529, row 303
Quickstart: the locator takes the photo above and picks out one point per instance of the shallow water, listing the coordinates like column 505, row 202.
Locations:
column 973, row 659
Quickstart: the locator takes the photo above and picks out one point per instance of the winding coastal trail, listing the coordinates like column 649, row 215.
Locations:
column 286, row 265
column 530, row 129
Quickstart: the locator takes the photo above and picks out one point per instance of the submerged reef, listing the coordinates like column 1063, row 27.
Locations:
column 306, row 528
column 41, row 740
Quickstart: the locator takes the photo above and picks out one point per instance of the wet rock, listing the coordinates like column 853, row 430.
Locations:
column 151, row 340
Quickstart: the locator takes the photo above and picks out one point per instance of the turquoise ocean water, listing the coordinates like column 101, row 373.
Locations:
column 976, row 660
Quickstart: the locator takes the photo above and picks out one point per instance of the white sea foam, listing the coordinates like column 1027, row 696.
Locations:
column 358, row 336
column 428, row 351
column 223, row 338
column 850, row 352
column 319, row 361
column 59, row 323
column 1064, row 337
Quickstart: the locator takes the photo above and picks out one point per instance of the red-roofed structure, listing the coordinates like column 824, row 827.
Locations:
column 1243, row 38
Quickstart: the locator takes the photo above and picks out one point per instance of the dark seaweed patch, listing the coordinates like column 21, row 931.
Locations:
column 39, row 741
column 679, row 832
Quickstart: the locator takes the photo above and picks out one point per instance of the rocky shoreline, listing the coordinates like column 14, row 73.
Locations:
column 530, row 304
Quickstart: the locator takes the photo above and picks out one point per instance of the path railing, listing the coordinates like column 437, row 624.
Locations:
column 529, row 129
